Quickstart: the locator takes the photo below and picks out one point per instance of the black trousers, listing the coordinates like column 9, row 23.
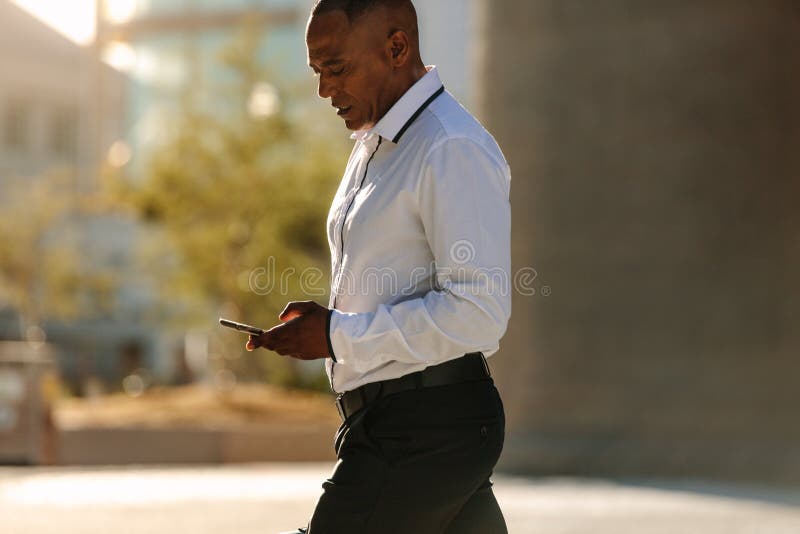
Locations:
column 417, row 462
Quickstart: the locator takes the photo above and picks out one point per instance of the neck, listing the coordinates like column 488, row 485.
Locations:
column 413, row 75
column 405, row 81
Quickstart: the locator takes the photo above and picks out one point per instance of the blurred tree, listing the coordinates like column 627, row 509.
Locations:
column 43, row 273
column 239, row 197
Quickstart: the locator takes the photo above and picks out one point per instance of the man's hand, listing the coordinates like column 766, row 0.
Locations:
column 302, row 335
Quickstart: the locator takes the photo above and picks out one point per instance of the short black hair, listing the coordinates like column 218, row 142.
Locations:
column 355, row 8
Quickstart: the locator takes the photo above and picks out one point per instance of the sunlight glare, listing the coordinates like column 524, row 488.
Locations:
column 120, row 11
column 74, row 19
column 120, row 55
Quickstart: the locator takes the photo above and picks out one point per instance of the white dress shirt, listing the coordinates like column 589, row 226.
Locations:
column 419, row 232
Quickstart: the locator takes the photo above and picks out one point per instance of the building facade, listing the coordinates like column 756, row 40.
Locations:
column 61, row 111
column 171, row 49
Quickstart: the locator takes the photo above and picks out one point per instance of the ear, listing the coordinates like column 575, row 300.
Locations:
column 399, row 48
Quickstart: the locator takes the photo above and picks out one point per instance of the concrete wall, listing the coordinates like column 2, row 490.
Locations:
column 445, row 27
column 656, row 168
column 265, row 443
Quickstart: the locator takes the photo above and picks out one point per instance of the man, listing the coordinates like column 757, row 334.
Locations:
column 423, row 206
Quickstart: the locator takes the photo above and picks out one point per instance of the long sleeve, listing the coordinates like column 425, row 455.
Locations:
column 463, row 199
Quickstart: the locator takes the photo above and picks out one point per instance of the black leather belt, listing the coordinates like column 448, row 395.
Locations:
column 467, row 368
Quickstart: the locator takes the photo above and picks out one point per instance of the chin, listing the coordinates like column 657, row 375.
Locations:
column 353, row 125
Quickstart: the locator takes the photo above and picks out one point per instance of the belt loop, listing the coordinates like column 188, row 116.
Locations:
column 486, row 365
column 340, row 407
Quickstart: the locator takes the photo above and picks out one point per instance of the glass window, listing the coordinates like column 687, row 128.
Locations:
column 64, row 131
column 17, row 124
column 123, row 11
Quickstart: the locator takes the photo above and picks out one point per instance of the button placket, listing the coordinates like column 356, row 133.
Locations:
column 371, row 143
column 349, row 204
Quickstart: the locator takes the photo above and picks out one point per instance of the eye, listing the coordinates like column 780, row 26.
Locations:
column 337, row 72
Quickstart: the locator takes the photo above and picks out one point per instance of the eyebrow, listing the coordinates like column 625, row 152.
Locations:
column 329, row 63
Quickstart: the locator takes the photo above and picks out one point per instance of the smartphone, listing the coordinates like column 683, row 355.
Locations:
column 246, row 328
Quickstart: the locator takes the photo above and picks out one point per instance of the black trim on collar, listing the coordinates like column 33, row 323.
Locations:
column 416, row 114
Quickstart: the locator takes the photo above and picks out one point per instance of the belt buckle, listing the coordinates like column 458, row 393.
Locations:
column 340, row 407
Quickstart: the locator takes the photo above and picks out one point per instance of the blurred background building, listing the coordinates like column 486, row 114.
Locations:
column 61, row 111
column 170, row 49
column 48, row 91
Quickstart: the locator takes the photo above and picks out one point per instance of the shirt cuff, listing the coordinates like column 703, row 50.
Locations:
column 328, row 335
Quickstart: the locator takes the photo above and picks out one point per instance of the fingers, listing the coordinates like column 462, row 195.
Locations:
column 296, row 309
column 266, row 340
column 253, row 343
column 299, row 336
column 280, row 339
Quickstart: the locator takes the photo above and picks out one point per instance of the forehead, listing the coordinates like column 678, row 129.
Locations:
column 327, row 35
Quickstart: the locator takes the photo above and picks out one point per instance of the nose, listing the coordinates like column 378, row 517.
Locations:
column 325, row 88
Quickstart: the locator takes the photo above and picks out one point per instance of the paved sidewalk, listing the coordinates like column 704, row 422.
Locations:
column 268, row 498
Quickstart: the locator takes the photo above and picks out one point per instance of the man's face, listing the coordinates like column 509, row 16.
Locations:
column 353, row 65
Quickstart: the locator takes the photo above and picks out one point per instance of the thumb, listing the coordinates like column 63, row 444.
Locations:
column 296, row 309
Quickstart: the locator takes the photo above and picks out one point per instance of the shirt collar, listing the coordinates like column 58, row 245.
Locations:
column 400, row 116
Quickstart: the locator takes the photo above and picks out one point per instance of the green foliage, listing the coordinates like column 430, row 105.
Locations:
column 227, row 193
column 43, row 272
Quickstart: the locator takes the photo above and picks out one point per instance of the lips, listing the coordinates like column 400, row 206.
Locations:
column 342, row 111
